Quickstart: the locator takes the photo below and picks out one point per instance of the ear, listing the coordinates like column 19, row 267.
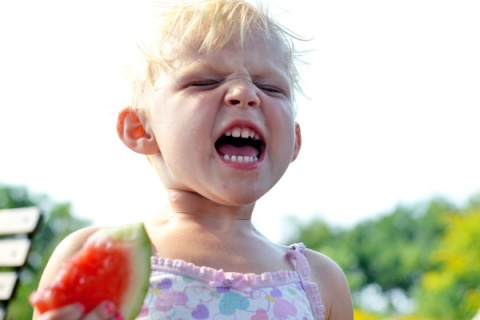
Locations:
column 298, row 141
column 133, row 133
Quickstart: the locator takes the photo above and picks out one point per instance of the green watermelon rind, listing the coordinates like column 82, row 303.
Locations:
column 135, row 236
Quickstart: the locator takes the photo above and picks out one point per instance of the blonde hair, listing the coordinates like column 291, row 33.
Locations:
column 204, row 26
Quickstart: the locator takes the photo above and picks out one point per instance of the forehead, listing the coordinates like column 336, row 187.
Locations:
column 256, row 56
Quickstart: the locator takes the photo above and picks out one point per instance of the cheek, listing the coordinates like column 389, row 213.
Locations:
column 184, row 139
column 282, row 121
column 285, row 142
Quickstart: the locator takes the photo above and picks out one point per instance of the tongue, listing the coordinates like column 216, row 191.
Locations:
column 232, row 150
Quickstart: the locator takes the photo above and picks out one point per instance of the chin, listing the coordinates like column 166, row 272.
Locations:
column 238, row 199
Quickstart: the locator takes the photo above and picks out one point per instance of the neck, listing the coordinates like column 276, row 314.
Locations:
column 195, row 210
column 207, row 233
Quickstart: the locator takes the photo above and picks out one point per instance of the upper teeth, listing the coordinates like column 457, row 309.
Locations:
column 242, row 133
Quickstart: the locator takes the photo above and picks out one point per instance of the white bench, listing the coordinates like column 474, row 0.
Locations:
column 17, row 227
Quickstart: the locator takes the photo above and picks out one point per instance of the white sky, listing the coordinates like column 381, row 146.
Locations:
column 392, row 116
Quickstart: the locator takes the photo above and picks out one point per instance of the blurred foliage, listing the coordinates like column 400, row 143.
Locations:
column 364, row 315
column 58, row 222
column 456, row 279
column 425, row 259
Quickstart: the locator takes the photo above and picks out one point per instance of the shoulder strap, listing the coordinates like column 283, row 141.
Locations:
column 297, row 254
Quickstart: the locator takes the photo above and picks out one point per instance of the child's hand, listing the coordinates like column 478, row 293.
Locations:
column 104, row 311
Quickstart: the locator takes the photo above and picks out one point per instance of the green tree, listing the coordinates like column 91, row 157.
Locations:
column 451, row 290
column 391, row 250
column 58, row 222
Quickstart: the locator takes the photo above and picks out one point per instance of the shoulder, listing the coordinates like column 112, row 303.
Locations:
column 67, row 248
column 332, row 285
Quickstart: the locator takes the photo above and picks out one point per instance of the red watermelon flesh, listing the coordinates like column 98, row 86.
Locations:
column 114, row 265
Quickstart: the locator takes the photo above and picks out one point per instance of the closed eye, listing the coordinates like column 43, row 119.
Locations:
column 270, row 89
column 204, row 83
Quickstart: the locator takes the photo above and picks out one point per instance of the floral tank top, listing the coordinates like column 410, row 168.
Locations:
column 181, row 290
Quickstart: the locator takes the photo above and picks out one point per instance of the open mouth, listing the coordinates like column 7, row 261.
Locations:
column 240, row 145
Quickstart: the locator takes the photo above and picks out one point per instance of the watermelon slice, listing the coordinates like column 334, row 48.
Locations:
column 113, row 264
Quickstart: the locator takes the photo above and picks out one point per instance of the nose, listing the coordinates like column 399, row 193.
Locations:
column 242, row 94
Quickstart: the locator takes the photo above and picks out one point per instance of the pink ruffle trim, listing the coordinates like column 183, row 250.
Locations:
column 219, row 278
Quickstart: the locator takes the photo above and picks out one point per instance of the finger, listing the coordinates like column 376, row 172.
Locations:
column 118, row 316
column 106, row 310
column 71, row 312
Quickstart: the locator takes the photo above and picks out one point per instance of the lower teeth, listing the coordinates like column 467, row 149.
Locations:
column 245, row 159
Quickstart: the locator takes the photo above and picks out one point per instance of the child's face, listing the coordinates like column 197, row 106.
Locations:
column 201, row 107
